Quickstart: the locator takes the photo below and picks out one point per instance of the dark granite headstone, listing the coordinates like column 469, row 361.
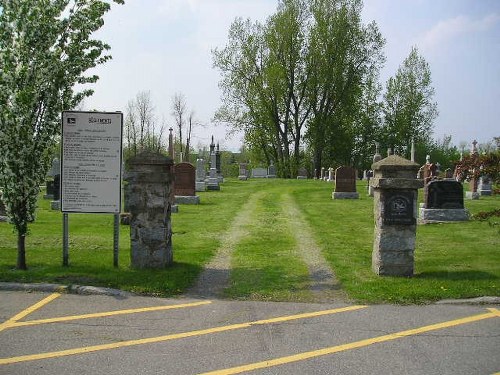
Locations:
column 345, row 180
column 185, row 179
column 57, row 187
column 444, row 194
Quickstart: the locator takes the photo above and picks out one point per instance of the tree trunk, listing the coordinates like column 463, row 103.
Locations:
column 21, row 252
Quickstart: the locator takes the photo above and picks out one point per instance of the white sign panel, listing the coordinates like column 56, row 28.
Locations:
column 91, row 162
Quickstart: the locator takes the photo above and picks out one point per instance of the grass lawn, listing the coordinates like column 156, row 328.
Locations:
column 455, row 260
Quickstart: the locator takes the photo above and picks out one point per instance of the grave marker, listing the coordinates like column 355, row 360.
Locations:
column 345, row 183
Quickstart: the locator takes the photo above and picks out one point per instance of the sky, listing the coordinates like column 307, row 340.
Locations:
column 164, row 47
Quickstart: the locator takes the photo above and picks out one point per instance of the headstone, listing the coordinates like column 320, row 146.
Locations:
column 331, row 174
column 485, row 186
column 150, row 175
column 395, row 211
column 56, row 203
column 365, row 175
column 474, row 182
column 185, row 184
column 201, row 175
column 218, row 164
column 271, row 171
column 322, row 176
column 444, row 202
column 315, row 174
column 243, row 172
column 345, row 183
column 259, row 172
column 213, row 180
column 52, row 186
column 302, row 174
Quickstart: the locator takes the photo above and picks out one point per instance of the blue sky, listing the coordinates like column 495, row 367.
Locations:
column 163, row 46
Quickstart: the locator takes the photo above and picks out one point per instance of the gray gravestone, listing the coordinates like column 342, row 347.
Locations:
column 345, row 183
column 185, row 184
column 259, row 172
column 271, row 171
column 444, row 202
column 243, row 172
column 201, row 175
column 395, row 211
column 484, row 187
column 150, row 175
column 331, row 175
column 213, row 180
column 302, row 174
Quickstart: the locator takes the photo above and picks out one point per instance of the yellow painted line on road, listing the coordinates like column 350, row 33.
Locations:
column 107, row 313
column 151, row 340
column 13, row 321
column 353, row 345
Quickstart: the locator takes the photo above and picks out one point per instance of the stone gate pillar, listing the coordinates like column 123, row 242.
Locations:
column 150, row 178
column 395, row 210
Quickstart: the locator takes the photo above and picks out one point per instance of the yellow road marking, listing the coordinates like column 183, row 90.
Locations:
column 95, row 348
column 13, row 321
column 106, row 314
column 353, row 345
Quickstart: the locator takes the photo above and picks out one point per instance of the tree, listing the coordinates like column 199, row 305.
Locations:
column 296, row 76
column 409, row 107
column 179, row 112
column 142, row 131
column 45, row 49
column 345, row 56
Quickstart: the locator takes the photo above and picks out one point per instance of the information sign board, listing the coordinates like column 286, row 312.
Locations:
column 91, row 162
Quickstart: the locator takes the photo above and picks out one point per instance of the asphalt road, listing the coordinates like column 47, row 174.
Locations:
column 48, row 333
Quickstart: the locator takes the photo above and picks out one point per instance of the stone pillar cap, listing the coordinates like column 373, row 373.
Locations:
column 395, row 162
column 150, row 158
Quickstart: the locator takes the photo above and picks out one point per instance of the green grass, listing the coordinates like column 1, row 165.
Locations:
column 452, row 260
column 456, row 260
column 265, row 266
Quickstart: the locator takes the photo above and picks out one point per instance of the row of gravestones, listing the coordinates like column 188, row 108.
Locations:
column 244, row 173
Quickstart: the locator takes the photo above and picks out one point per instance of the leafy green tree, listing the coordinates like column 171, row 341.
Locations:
column 297, row 77
column 409, row 108
column 344, row 58
column 45, row 49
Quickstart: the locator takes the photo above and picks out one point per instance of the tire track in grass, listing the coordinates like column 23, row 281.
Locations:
column 215, row 276
column 324, row 285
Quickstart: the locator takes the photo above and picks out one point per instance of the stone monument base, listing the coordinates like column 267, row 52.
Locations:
column 187, row 199
column 213, row 184
column 200, row 186
column 48, row 196
column 174, row 208
column 485, row 192
column 301, row 178
column 471, row 195
column 242, row 178
column 443, row 214
column 3, row 219
column 345, row 195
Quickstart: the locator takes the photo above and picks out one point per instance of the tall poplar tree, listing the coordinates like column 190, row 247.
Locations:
column 409, row 108
column 46, row 46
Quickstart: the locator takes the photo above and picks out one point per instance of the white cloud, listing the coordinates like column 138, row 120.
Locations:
column 447, row 30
